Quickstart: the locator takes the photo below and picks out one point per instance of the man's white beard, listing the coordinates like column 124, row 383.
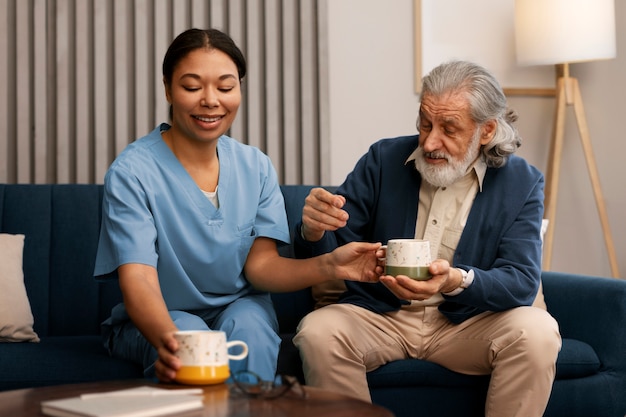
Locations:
column 447, row 174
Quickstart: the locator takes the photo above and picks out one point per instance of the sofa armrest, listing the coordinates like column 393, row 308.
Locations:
column 592, row 310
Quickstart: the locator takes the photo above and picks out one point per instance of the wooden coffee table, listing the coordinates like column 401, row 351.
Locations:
column 219, row 401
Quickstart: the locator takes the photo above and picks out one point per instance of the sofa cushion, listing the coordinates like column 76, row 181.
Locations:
column 416, row 372
column 60, row 360
column 576, row 360
column 16, row 317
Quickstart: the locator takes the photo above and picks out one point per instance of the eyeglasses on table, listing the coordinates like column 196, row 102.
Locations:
column 253, row 385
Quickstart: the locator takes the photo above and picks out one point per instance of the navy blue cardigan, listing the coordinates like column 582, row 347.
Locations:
column 501, row 241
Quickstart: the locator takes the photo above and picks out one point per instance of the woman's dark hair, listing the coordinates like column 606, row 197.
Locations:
column 193, row 39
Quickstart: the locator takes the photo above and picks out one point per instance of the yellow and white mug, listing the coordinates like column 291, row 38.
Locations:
column 204, row 356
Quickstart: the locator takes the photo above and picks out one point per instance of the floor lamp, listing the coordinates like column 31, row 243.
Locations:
column 560, row 32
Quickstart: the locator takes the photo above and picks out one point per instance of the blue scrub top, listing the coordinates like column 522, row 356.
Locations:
column 155, row 214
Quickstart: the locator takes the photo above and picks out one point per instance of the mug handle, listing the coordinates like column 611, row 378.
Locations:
column 243, row 345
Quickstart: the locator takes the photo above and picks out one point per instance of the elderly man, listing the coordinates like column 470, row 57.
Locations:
column 458, row 185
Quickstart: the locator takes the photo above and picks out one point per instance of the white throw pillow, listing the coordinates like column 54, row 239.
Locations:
column 16, row 317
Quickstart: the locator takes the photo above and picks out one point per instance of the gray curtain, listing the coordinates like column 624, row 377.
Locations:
column 82, row 79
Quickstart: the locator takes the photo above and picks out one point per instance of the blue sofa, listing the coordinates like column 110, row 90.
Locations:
column 61, row 224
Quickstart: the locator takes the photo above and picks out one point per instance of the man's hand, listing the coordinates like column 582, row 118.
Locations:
column 322, row 211
column 445, row 279
column 357, row 261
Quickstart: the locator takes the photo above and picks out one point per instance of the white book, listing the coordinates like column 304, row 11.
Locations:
column 142, row 401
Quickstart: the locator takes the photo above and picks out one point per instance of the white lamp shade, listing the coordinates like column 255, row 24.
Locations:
column 563, row 31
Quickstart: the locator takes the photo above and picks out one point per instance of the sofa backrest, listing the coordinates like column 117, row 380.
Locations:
column 61, row 223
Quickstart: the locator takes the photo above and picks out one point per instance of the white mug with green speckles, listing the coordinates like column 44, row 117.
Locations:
column 410, row 257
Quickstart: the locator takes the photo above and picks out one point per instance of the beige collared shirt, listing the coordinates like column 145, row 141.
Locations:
column 443, row 213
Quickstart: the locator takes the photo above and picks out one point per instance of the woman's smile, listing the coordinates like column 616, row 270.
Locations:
column 208, row 122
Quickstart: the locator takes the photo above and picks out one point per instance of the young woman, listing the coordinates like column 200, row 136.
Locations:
column 190, row 223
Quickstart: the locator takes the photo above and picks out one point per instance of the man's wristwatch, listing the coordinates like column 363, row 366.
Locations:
column 468, row 278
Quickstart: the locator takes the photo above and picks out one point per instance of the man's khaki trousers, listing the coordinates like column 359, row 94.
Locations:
column 340, row 343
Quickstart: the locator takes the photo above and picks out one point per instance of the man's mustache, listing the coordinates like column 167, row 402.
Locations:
column 436, row 155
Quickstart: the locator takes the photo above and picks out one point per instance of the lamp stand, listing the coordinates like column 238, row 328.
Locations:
column 568, row 94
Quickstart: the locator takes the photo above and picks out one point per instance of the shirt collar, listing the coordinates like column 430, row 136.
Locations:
column 479, row 167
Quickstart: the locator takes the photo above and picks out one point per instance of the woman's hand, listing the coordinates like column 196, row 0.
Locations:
column 167, row 364
column 357, row 261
